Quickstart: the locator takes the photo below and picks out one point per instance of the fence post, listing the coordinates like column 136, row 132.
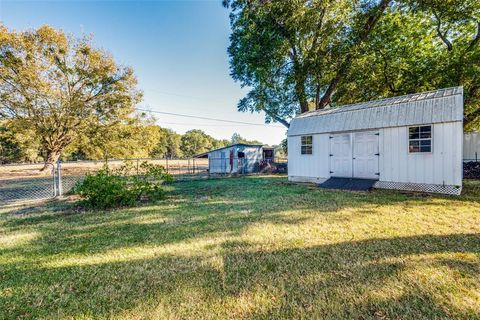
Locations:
column 59, row 178
column 54, row 181
column 167, row 163
column 137, row 166
column 193, row 165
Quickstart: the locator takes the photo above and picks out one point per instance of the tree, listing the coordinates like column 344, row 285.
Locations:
column 216, row 144
column 17, row 146
column 284, row 146
column 195, row 142
column 60, row 87
column 301, row 55
column 293, row 54
column 134, row 139
column 418, row 47
column 168, row 145
column 237, row 138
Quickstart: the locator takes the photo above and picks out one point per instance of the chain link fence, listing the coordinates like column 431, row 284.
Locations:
column 24, row 182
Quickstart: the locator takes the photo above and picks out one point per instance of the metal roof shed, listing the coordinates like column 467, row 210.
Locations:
column 411, row 142
column 237, row 158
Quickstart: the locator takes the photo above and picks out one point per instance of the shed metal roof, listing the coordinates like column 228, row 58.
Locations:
column 201, row 155
column 444, row 105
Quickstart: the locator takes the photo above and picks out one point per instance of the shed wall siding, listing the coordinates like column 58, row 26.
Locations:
column 471, row 146
column 314, row 166
column 215, row 162
column 442, row 166
column 253, row 155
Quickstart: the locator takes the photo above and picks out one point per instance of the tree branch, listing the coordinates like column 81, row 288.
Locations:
column 440, row 34
column 277, row 118
column 390, row 85
column 282, row 121
column 340, row 74
column 475, row 39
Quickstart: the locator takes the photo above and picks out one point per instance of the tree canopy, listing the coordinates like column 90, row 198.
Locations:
column 299, row 55
column 196, row 141
column 60, row 88
column 134, row 140
column 237, row 138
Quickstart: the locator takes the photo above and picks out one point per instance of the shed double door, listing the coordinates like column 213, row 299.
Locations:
column 354, row 155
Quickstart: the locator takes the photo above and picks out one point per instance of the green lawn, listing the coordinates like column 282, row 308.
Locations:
column 247, row 248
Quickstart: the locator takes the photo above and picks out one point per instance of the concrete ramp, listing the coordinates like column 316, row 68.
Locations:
column 348, row 184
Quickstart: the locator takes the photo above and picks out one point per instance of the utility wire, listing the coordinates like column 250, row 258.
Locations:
column 200, row 124
column 206, row 118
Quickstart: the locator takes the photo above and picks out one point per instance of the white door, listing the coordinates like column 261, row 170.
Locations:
column 365, row 155
column 341, row 155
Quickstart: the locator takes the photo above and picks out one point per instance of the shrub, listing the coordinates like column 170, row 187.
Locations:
column 116, row 188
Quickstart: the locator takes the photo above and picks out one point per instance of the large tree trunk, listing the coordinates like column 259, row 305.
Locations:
column 300, row 89
column 52, row 158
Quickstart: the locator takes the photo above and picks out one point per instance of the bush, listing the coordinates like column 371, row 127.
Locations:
column 116, row 188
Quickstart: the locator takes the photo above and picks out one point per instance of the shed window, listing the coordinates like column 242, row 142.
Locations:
column 420, row 139
column 307, row 145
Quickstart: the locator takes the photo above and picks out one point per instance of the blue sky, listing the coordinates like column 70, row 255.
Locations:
column 177, row 49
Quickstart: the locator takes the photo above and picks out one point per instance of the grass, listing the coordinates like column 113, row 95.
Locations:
column 246, row 248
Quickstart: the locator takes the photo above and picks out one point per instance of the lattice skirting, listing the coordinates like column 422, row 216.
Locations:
column 422, row 187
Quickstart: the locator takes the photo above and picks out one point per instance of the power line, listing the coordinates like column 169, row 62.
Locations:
column 198, row 124
column 206, row 118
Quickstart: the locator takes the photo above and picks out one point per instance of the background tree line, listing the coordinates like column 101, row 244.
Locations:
column 140, row 140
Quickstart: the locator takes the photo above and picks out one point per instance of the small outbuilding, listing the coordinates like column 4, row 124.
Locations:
column 412, row 142
column 237, row 158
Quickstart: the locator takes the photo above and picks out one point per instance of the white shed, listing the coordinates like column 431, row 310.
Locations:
column 237, row 158
column 411, row 142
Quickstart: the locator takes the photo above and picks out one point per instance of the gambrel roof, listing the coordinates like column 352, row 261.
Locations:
column 444, row 105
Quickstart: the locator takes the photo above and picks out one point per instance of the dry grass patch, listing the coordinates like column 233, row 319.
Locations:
column 247, row 248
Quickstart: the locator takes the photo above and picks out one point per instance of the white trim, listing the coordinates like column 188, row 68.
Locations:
column 419, row 139
column 306, row 145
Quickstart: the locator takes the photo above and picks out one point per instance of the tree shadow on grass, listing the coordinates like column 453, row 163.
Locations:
column 331, row 281
column 194, row 210
column 349, row 280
